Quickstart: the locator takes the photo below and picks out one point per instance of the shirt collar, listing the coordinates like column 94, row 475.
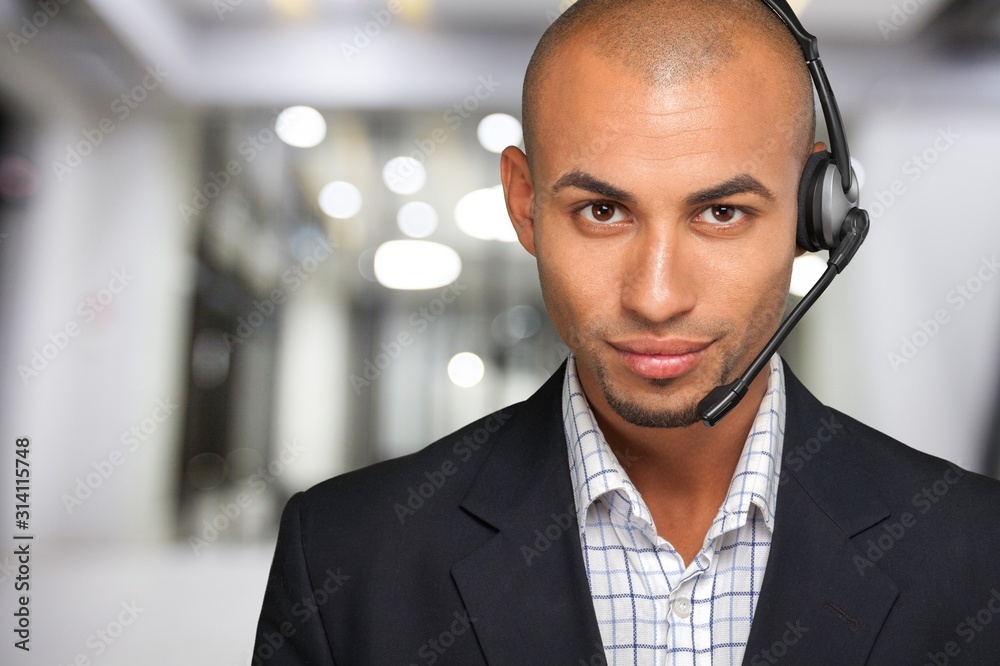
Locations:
column 595, row 471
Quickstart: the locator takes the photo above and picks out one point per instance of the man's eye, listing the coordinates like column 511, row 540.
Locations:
column 602, row 213
column 723, row 214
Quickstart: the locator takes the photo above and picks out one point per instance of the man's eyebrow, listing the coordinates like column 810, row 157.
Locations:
column 585, row 181
column 742, row 184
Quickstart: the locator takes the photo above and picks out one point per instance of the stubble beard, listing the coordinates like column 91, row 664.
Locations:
column 732, row 363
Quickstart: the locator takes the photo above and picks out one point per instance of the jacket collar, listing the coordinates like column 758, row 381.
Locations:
column 527, row 587
column 816, row 604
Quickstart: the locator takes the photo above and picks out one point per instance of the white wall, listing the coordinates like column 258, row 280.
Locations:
column 75, row 235
column 929, row 236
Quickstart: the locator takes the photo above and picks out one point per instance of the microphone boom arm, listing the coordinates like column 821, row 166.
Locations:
column 724, row 398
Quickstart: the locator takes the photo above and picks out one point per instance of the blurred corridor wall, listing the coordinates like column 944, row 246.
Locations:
column 908, row 339
column 97, row 278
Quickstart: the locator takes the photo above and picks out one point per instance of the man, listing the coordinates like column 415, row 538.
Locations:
column 600, row 521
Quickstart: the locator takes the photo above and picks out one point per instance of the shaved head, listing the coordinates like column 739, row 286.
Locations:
column 668, row 42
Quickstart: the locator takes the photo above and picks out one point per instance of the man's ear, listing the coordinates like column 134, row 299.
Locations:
column 519, row 193
column 818, row 146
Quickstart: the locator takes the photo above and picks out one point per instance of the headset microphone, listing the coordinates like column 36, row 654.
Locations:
column 829, row 217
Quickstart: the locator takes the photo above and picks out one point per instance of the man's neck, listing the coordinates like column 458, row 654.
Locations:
column 683, row 474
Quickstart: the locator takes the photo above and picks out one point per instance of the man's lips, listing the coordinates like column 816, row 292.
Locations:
column 660, row 359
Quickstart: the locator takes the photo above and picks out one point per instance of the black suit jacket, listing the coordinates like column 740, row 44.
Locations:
column 468, row 552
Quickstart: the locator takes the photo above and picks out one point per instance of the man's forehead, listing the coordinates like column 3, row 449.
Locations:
column 584, row 83
column 587, row 113
column 655, row 142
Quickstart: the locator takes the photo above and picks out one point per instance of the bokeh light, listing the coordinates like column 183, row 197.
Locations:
column 466, row 370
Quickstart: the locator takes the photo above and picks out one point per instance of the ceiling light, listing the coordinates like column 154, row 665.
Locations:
column 301, row 126
column 482, row 214
column 466, row 369
column 417, row 219
column 404, row 175
column 499, row 130
column 340, row 200
column 416, row 264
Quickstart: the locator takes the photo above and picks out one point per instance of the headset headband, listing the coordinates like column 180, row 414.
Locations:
column 831, row 112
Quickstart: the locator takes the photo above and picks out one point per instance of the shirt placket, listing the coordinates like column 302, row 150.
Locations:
column 690, row 636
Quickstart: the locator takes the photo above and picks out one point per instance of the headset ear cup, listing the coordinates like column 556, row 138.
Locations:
column 809, row 232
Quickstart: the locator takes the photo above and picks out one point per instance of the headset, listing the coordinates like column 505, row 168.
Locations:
column 829, row 216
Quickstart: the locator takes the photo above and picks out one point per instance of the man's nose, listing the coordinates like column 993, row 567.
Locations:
column 660, row 274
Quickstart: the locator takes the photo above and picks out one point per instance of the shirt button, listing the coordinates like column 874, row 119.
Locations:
column 681, row 607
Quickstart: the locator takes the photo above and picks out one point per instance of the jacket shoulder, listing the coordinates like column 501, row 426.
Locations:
column 899, row 467
column 825, row 446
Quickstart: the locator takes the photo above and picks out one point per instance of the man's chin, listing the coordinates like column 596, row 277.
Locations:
column 660, row 403
column 644, row 417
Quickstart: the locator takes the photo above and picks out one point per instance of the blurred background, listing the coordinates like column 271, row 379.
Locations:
column 250, row 244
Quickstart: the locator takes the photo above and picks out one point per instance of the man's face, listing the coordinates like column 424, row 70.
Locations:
column 663, row 221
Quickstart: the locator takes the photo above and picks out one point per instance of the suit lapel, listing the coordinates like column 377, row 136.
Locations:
column 816, row 604
column 527, row 587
